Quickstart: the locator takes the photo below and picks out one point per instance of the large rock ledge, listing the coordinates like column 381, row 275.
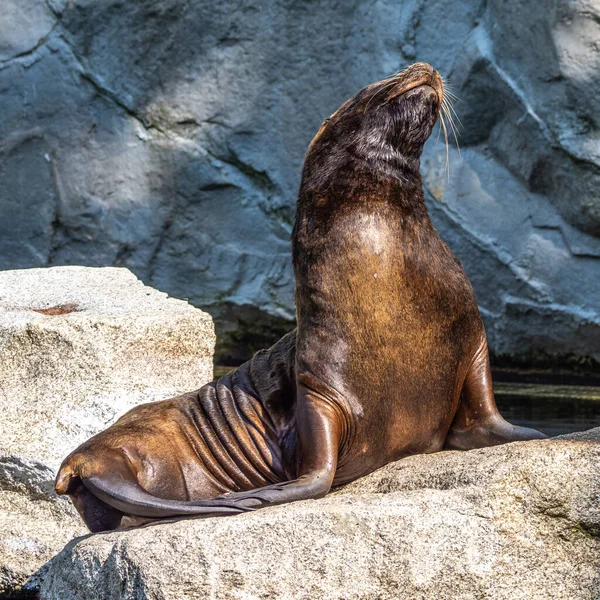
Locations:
column 513, row 522
column 78, row 347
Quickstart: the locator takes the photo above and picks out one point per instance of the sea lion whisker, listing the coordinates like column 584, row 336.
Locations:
column 451, row 106
column 447, row 107
column 448, row 124
column 447, row 167
column 449, row 113
column 448, row 90
column 440, row 127
column 451, row 94
column 452, row 127
column 456, row 140
column 455, row 133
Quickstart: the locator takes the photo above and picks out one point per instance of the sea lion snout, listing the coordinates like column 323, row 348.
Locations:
column 416, row 76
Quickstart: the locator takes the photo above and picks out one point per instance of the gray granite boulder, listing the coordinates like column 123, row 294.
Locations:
column 79, row 346
column 168, row 136
column 515, row 522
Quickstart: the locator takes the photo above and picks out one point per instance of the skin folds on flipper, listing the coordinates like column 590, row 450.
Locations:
column 170, row 458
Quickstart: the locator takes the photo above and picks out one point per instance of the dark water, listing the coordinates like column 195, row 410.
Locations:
column 552, row 409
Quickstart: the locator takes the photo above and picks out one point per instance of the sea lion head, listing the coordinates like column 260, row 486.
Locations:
column 386, row 123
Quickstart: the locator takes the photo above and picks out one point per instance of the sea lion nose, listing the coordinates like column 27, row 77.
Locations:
column 428, row 76
column 426, row 73
column 422, row 67
column 427, row 70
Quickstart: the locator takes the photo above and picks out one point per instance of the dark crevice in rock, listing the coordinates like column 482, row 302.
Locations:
column 545, row 362
column 21, row 594
column 214, row 121
column 480, row 12
column 124, row 253
column 268, row 190
column 105, row 92
column 243, row 330
column 41, row 42
column 211, row 187
column 260, row 179
column 19, row 138
column 113, row 97
column 589, row 529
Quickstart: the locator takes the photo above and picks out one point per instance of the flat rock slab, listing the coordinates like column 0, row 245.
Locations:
column 513, row 522
column 78, row 347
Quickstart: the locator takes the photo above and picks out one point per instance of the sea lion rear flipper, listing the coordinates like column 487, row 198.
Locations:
column 103, row 490
column 478, row 423
column 130, row 498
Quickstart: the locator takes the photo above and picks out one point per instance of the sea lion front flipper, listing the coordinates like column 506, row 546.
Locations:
column 319, row 429
column 478, row 423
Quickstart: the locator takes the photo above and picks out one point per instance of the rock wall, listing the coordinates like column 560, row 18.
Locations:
column 168, row 137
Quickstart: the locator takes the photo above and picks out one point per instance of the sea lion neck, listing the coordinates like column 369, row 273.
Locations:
column 355, row 180
column 338, row 157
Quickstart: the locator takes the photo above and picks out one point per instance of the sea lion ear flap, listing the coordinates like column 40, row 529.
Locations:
column 320, row 132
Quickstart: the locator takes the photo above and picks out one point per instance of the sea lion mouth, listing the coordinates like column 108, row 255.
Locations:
column 431, row 82
column 425, row 90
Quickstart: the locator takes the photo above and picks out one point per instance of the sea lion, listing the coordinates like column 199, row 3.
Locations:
column 389, row 358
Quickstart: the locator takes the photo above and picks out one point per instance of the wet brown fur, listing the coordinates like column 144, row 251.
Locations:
column 389, row 358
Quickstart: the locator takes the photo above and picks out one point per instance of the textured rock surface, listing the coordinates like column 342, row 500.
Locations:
column 63, row 377
column 168, row 136
column 508, row 523
column 78, row 347
column 35, row 524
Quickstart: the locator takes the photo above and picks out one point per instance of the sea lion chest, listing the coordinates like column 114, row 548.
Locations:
column 385, row 318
